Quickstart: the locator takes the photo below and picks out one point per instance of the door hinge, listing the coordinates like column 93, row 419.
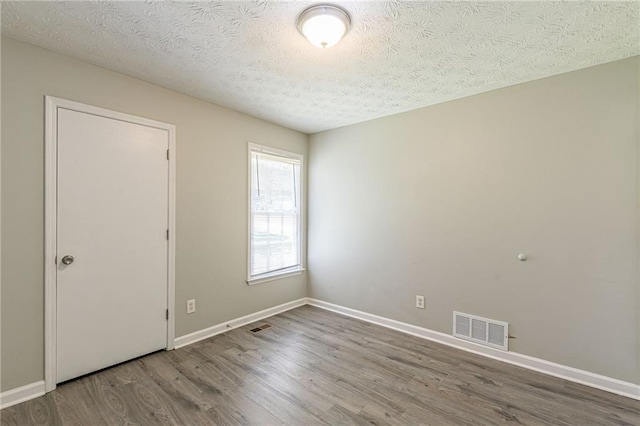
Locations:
column 167, row 234
column 55, row 261
column 167, row 314
column 167, row 154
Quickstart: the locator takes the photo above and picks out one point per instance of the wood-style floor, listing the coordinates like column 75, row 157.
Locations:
column 316, row 367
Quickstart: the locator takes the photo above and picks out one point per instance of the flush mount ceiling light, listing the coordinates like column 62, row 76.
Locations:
column 323, row 24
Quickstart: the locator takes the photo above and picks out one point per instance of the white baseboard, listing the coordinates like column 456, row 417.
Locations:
column 21, row 394
column 205, row 333
column 619, row 387
column 583, row 377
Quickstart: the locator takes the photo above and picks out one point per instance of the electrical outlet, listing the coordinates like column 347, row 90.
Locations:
column 420, row 302
column 191, row 306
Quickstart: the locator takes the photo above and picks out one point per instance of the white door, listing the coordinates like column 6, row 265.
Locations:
column 112, row 221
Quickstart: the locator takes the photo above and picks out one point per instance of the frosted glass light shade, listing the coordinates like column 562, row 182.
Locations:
column 324, row 25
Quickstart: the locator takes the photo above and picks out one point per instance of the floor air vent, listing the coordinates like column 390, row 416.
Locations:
column 481, row 330
column 262, row 327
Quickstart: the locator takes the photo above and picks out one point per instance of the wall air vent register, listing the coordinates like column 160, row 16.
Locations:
column 480, row 330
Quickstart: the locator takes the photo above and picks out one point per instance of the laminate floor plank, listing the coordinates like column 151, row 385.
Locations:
column 103, row 389
column 192, row 399
column 524, row 389
column 279, row 405
column 315, row 367
column 338, row 415
column 424, row 417
column 76, row 406
column 42, row 412
column 157, row 405
column 236, row 408
column 226, row 373
column 285, row 379
column 290, row 379
column 322, row 382
column 440, row 401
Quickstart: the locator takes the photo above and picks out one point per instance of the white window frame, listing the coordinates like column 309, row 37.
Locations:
column 270, row 276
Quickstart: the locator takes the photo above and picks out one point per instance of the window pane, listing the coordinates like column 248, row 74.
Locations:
column 275, row 213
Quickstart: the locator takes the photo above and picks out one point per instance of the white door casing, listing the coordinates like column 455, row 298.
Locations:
column 109, row 202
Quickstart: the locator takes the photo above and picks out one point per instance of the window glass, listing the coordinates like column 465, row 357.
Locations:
column 275, row 213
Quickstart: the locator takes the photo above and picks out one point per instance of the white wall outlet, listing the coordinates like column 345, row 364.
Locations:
column 420, row 302
column 191, row 306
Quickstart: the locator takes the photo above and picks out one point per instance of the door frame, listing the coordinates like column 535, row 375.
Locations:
column 52, row 104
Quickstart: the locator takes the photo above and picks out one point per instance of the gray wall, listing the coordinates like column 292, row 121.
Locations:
column 440, row 201
column 211, row 237
column 437, row 201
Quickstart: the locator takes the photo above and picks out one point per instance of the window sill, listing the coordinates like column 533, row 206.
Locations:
column 276, row 276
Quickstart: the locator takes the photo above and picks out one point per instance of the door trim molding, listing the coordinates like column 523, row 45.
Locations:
column 50, row 220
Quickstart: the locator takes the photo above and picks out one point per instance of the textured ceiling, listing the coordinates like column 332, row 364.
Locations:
column 398, row 56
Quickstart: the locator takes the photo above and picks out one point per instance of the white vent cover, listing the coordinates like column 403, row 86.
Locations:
column 481, row 330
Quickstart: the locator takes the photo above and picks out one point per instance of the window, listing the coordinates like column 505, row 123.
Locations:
column 275, row 212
